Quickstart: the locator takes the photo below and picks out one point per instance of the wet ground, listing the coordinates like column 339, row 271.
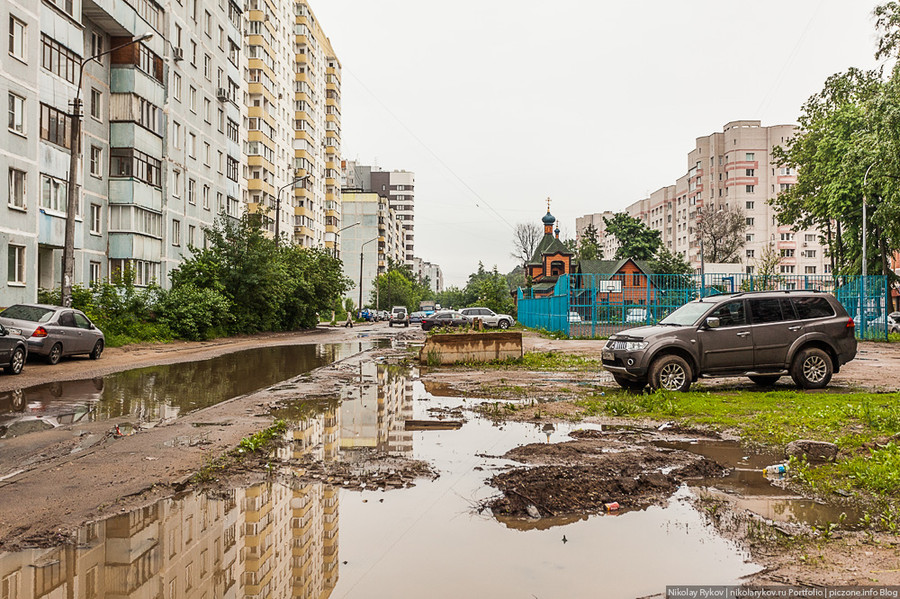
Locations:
column 355, row 526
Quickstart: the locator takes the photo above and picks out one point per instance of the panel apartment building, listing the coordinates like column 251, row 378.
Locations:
column 733, row 168
column 293, row 122
column 177, row 129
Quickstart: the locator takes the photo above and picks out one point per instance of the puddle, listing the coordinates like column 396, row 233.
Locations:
column 314, row 539
column 159, row 393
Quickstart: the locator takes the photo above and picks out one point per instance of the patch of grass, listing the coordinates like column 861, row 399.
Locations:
column 260, row 442
column 546, row 361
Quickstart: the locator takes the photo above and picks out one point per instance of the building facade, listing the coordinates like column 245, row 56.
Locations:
column 426, row 271
column 377, row 240
column 730, row 169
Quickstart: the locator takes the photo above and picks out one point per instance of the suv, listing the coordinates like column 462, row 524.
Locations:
column 489, row 317
column 763, row 335
column 399, row 315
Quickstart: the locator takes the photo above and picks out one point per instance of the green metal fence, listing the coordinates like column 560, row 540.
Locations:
column 589, row 305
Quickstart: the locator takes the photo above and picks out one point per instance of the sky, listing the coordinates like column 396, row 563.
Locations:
column 498, row 104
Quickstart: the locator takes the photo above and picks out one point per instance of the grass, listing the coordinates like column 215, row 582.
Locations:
column 546, row 361
column 257, row 443
column 865, row 427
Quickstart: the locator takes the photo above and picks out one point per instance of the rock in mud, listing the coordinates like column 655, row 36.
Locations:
column 815, row 451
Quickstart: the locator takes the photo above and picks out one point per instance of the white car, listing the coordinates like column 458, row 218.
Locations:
column 489, row 317
column 636, row 315
column 574, row 317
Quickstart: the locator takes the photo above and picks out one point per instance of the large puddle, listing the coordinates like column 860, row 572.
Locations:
column 159, row 393
column 318, row 540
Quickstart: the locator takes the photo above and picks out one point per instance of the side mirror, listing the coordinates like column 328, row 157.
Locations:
column 712, row 322
column 3, row 331
column 92, row 327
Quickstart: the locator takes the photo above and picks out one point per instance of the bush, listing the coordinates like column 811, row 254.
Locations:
column 194, row 313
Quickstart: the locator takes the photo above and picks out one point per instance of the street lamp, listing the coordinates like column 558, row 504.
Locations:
column 278, row 204
column 337, row 235
column 74, row 157
column 864, row 265
column 361, row 270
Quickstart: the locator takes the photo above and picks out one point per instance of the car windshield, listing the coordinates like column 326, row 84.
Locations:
column 30, row 313
column 686, row 315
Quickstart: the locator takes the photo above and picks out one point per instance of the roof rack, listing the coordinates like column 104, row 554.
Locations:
column 741, row 293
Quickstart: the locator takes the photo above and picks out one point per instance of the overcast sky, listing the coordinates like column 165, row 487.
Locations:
column 497, row 104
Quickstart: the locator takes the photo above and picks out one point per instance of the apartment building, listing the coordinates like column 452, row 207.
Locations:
column 159, row 159
column 425, row 270
column 399, row 186
column 733, row 168
column 378, row 238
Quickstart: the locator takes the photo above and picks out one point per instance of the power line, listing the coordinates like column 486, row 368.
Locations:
column 480, row 201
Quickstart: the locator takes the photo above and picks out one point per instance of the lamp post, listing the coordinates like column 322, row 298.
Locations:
column 337, row 235
column 278, row 205
column 68, row 257
column 865, row 267
column 361, row 270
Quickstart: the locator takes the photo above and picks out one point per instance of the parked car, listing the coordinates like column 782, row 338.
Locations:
column 636, row 315
column 13, row 351
column 399, row 316
column 53, row 331
column 445, row 318
column 416, row 317
column 894, row 322
column 489, row 317
column 574, row 317
column 763, row 335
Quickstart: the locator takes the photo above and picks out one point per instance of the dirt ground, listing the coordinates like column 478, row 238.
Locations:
column 77, row 473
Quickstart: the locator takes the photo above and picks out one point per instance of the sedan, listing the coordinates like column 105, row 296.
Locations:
column 445, row 318
column 13, row 351
column 53, row 331
column 416, row 317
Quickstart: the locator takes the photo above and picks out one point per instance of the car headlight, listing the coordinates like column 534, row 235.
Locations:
column 635, row 345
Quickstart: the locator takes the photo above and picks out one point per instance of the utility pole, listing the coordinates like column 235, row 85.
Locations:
column 278, row 205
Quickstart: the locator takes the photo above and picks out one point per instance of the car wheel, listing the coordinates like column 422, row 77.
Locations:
column 17, row 362
column 812, row 369
column 55, row 354
column 503, row 324
column 671, row 373
column 98, row 349
column 630, row 384
column 765, row 380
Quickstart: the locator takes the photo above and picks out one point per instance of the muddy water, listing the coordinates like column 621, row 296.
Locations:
column 313, row 539
column 159, row 393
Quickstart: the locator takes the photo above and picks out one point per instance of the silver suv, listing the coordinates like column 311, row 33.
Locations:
column 762, row 335
column 489, row 317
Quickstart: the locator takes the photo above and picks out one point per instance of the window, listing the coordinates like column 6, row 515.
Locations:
column 750, row 221
column 17, row 38
column 206, row 153
column 177, row 43
column 192, row 230
column 750, row 205
column 176, row 183
column 128, row 163
column 810, row 270
column 192, row 99
column 765, row 310
column 207, row 109
column 751, row 188
column 15, row 273
column 233, row 131
column 784, row 186
column 54, row 194
column 17, row 114
column 809, row 238
column 97, row 46
column 787, row 269
column 750, row 172
column 96, row 161
column 751, row 253
column 17, row 188
column 95, row 273
column 54, row 126
column 176, row 134
column 205, row 196
column 192, row 145
column 192, row 191
column 149, row 62
column 731, row 314
column 96, row 99
column 176, row 232
column 232, row 169
column 144, row 273
column 787, row 237
column 750, row 156
column 787, row 253
column 58, row 59
column 134, row 219
column 95, row 219
column 810, row 253
column 176, row 86
column 193, row 53
column 207, row 67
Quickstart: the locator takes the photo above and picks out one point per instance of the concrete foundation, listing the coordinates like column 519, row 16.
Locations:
column 471, row 347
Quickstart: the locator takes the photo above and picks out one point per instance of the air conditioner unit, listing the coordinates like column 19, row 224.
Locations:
column 177, row 54
column 222, row 94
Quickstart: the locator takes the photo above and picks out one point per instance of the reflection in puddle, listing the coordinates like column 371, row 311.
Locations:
column 280, row 539
column 159, row 393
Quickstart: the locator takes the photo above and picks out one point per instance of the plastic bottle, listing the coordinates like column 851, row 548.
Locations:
column 775, row 469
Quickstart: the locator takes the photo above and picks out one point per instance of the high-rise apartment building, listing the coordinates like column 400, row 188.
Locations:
column 293, row 122
column 726, row 170
column 432, row 273
column 399, row 187
column 159, row 158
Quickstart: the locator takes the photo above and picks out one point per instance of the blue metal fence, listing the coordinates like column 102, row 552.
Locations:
column 589, row 305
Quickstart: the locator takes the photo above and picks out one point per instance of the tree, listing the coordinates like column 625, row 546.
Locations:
column 589, row 248
column 767, row 269
column 636, row 240
column 398, row 286
column 723, row 234
column 670, row 270
column 526, row 237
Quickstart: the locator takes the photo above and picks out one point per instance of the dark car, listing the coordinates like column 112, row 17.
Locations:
column 416, row 317
column 762, row 335
column 13, row 351
column 445, row 318
column 54, row 331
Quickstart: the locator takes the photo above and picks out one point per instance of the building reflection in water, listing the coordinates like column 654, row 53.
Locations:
column 267, row 540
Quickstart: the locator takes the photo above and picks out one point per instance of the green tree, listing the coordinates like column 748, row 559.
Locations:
column 398, row 286
column 670, row 270
column 636, row 240
column 589, row 247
